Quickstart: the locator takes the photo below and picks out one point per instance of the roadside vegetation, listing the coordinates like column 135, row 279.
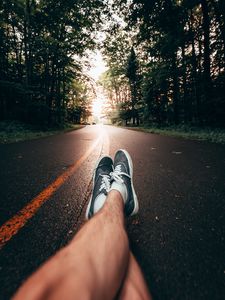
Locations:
column 165, row 63
column 14, row 131
column 43, row 53
column 186, row 132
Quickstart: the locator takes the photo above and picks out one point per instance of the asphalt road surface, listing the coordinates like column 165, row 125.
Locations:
column 178, row 236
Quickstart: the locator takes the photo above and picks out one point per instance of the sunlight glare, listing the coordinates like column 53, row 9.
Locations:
column 97, row 108
column 98, row 65
column 99, row 105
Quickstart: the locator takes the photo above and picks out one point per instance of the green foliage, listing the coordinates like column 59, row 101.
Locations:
column 180, row 47
column 14, row 131
column 114, row 81
column 122, row 80
column 79, row 102
column 166, row 60
column 134, row 82
column 187, row 132
column 132, row 68
column 41, row 43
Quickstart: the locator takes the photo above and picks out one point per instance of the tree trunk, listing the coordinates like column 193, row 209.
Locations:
column 51, row 94
column 133, row 102
column 206, row 63
column 186, row 104
column 219, row 8
column 195, row 79
column 18, row 67
column 175, row 89
column 26, row 40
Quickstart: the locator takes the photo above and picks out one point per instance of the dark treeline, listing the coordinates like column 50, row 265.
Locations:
column 41, row 43
column 172, row 62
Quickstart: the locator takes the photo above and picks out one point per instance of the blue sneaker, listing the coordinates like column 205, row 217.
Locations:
column 101, row 185
column 122, row 178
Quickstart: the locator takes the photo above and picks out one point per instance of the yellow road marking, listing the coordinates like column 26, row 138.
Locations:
column 13, row 225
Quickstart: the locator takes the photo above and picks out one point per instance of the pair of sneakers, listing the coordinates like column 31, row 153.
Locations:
column 117, row 175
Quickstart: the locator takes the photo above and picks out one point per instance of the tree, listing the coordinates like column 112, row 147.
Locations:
column 41, row 43
column 187, row 39
column 114, row 81
column 134, row 82
column 206, row 62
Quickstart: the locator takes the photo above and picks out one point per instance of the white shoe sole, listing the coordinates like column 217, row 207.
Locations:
column 136, row 204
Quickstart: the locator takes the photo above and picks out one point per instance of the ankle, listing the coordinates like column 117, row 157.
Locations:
column 121, row 189
column 115, row 196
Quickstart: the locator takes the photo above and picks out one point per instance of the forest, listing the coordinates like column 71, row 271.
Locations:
column 42, row 52
column 165, row 60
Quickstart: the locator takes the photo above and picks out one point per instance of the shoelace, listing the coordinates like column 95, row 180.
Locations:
column 105, row 183
column 116, row 174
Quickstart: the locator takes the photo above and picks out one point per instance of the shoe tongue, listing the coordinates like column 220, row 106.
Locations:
column 103, row 172
column 104, row 169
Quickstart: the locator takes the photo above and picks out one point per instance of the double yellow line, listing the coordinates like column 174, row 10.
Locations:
column 13, row 225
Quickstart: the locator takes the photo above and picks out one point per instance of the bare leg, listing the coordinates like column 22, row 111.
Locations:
column 92, row 266
column 134, row 286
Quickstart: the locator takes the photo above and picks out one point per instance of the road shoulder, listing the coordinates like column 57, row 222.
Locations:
column 210, row 135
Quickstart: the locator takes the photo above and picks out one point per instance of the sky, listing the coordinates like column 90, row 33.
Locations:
column 98, row 65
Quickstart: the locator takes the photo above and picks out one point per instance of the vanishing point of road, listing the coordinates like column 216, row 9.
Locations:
column 178, row 236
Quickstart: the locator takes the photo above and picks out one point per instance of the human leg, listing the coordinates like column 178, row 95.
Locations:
column 95, row 263
column 92, row 266
column 134, row 286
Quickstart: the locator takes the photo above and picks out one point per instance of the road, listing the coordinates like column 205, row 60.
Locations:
column 178, row 236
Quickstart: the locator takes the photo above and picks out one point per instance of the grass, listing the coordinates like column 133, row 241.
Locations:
column 13, row 131
column 187, row 132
